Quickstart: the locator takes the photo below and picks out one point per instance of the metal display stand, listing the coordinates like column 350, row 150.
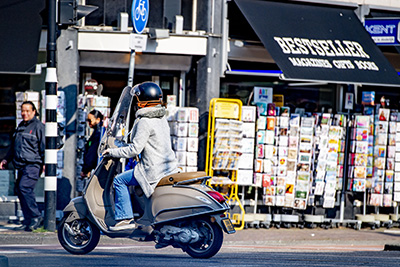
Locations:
column 224, row 109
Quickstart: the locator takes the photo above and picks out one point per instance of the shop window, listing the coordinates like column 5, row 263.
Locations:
column 312, row 99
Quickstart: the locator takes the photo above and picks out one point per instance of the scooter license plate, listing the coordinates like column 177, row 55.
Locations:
column 228, row 226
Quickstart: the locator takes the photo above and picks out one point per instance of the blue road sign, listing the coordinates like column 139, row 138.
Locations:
column 140, row 14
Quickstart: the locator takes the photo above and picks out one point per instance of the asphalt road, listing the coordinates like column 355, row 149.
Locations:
column 251, row 247
column 229, row 255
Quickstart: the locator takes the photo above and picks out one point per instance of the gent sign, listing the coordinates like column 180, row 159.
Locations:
column 384, row 31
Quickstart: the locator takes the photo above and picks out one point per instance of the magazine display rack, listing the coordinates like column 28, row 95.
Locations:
column 224, row 150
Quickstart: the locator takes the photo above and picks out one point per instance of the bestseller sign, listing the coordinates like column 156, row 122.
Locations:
column 318, row 43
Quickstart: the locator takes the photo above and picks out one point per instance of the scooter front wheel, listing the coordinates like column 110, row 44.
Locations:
column 211, row 238
column 79, row 236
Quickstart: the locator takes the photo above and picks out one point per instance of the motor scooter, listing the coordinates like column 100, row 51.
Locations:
column 183, row 211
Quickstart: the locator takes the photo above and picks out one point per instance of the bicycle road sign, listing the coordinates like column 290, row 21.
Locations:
column 140, row 14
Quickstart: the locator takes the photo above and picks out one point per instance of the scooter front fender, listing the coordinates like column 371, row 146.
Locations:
column 76, row 209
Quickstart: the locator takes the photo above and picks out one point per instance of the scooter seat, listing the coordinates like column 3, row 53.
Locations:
column 180, row 176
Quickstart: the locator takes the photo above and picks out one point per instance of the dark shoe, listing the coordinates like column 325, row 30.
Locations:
column 21, row 228
column 35, row 223
column 128, row 224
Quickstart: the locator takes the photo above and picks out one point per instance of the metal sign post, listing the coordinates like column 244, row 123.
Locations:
column 140, row 16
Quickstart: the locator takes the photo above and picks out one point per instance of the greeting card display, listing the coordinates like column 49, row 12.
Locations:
column 359, row 148
column 227, row 146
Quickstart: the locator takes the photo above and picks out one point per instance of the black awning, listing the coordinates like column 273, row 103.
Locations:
column 318, row 43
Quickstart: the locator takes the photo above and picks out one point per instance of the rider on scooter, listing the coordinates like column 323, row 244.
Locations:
column 150, row 138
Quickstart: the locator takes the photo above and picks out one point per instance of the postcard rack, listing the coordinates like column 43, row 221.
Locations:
column 223, row 151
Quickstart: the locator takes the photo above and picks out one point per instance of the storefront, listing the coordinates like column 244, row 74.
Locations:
column 314, row 65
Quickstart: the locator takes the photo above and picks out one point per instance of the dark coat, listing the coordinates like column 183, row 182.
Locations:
column 90, row 156
column 28, row 144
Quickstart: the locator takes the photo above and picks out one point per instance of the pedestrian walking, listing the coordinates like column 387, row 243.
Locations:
column 90, row 156
column 27, row 155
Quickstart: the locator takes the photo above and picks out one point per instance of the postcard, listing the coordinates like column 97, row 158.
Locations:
column 281, row 190
column 362, row 121
column 305, row 157
column 303, row 176
column 303, row 167
column 320, row 177
column 381, row 139
column 330, row 176
column 391, row 151
column 289, row 201
column 360, row 160
column 319, row 188
column 382, row 127
column 294, row 120
column 387, row 200
column 292, row 153
column 384, row 114
column 293, row 141
column 331, row 166
column 289, row 188
column 266, row 180
column 282, row 161
column 284, row 121
column 269, row 137
column 379, row 163
column 361, row 147
column 283, row 141
column 329, row 202
column 291, row 177
column 360, row 172
column 390, row 164
column 396, row 196
column 271, row 123
column 300, row 203
column 269, row 200
column 271, row 109
column 388, row 188
column 305, row 148
column 392, row 127
column 376, row 200
column 306, row 131
column 291, row 165
column 361, row 134
column 377, row 186
column 261, row 123
column 306, row 139
column 307, row 122
column 380, row 151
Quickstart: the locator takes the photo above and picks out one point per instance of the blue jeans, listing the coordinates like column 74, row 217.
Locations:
column 123, row 204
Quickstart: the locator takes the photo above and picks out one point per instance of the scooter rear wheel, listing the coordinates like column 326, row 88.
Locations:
column 79, row 236
column 210, row 242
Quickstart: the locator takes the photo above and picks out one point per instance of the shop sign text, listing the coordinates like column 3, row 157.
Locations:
column 330, row 50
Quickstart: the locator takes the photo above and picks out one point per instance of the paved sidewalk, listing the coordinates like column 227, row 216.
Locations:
column 378, row 238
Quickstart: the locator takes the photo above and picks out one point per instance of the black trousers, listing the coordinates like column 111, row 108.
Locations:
column 26, row 182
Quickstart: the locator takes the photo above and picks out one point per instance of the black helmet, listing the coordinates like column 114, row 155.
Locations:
column 147, row 94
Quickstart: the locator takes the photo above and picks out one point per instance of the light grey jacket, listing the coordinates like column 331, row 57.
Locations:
column 150, row 138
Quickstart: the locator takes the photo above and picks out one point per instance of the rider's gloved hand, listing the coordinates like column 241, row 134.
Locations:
column 106, row 153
